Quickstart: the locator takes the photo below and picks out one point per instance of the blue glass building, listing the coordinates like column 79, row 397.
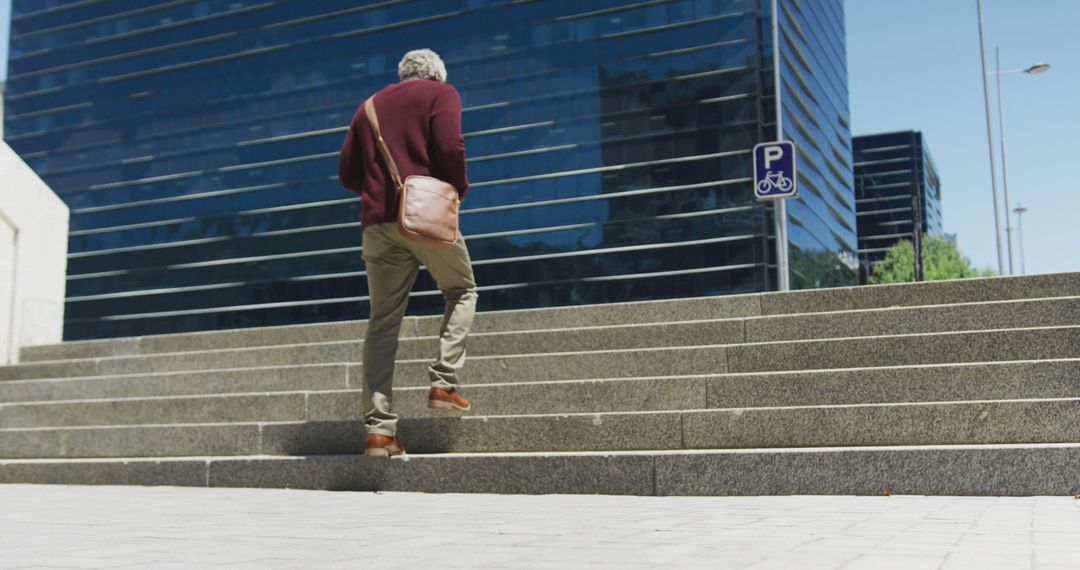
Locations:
column 609, row 145
column 814, row 98
column 896, row 182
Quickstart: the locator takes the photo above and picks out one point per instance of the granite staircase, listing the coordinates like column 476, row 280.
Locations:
column 966, row 387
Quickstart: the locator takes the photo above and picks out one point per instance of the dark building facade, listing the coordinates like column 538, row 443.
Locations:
column 896, row 183
column 609, row 143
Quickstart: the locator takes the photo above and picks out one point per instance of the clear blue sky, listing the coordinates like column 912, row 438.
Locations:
column 914, row 64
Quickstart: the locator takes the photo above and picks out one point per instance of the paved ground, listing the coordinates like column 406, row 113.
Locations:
column 169, row 527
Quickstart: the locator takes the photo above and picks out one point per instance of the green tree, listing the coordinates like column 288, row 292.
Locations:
column 940, row 261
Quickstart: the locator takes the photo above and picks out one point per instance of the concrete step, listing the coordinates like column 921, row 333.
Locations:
column 333, row 428
column 226, row 408
column 490, row 370
column 919, row 294
column 967, row 387
column 1031, row 379
column 532, row 342
column 591, row 338
column 657, row 393
column 224, row 359
column 1062, row 311
column 523, row 395
column 901, row 350
column 988, row 470
column 995, row 315
column 777, row 304
column 769, row 304
column 870, row 352
column 675, row 310
column 201, row 382
column 823, row 327
column 1049, row 343
column 193, row 342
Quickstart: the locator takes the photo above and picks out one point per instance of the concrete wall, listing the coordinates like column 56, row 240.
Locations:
column 33, row 258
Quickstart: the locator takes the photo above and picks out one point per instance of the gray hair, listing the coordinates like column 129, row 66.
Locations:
column 422, row 64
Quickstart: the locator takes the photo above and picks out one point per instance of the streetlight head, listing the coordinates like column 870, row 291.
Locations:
column 1037, row 68
column 1020, row 210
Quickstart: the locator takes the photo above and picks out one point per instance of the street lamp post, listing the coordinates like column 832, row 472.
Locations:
column 1020, row 233
column 1033, row 70
column 990, row 143
column 1004, row 168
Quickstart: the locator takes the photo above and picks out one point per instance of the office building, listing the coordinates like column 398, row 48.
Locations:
column 609, row 142
column 896, row 184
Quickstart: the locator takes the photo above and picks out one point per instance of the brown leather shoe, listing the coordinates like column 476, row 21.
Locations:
column 447, row 400
column 383, row 446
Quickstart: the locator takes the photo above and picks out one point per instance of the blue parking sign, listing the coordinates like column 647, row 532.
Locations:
column 774, row 171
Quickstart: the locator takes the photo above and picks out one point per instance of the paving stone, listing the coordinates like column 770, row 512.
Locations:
column 177, row 527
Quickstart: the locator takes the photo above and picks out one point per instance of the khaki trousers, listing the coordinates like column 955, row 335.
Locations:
column 392, row 264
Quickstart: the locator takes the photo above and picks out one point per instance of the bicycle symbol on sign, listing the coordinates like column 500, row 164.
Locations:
column 774, row 180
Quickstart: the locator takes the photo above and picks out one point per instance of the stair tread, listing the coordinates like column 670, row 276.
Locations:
column 481, row 334
column 794, row 342
column 540, row 415
column 596, row 398
column 526, row 454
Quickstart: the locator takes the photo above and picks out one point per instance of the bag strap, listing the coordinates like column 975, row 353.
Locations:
column 373, row 118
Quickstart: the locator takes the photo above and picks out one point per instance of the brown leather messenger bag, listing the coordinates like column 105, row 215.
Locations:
column 428, row 207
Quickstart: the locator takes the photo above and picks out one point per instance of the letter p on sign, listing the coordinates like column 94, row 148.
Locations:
column 772, row 154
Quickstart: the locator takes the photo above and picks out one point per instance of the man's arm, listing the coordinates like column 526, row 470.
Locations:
column 351, row 162
column 447, row 146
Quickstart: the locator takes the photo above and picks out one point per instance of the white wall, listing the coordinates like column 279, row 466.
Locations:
column 33, row 258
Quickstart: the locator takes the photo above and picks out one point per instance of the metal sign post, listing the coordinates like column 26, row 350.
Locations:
column 776, row 178
column 783, row 273
column 783, row 265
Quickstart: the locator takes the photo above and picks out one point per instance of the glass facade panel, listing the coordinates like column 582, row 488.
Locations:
column 814, row 98
column 609, row 149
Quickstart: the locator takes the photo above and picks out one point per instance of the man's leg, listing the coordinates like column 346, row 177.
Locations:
column 452, row 270
column 391, row 271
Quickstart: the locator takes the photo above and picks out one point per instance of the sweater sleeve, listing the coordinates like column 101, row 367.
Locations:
column 351, row 162
column 447, row 145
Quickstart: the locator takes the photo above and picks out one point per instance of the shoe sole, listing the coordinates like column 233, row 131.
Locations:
column 441, row 405
column 378, row 452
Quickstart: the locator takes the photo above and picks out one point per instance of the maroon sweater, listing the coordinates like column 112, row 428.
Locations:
column 421, row 124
